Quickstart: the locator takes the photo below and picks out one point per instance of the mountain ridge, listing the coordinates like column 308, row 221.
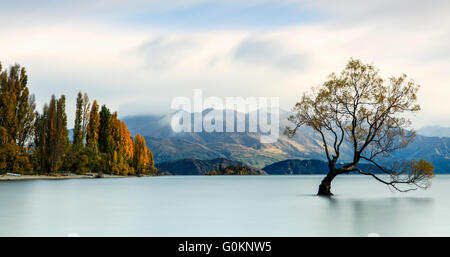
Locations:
column 434, row 131
column 246, row 147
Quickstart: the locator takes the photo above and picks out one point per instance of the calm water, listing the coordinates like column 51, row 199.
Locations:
column 221, row 206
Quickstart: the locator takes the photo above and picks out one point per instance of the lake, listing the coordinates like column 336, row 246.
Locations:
column 221, row 206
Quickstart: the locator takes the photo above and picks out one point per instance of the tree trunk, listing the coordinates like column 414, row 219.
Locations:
column 325, row 185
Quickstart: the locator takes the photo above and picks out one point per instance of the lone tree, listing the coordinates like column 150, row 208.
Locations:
column 361, row 110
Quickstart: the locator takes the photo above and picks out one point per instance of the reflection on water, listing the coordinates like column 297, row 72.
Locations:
column 221, row 206
column 383, row 216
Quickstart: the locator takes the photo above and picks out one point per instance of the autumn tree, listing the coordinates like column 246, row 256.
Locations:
column 122, row 147
column 114, row 158
column 51, row 135
column 63, row 143
column 78, row 160
column 93, row 128
column 125, row 142
column 151, row 161
column 25, row 133
column 40, row 146
column 109, row 142
column 61, row 125
column 365, row 112
column 142, row 161
column 82, row 115
column 16, row 105
column 3, row 143
column 85, row 107
column 16, row 118
column 13, row 157
column 78, row 136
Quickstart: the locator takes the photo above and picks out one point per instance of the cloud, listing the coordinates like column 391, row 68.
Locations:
column 164, row 53
column 271, row 53
column 138, row 65
column 405, row 14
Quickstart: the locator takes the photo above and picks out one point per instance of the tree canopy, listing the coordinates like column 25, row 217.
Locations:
column 367, row 113
column 17, row 116
column 36, row 142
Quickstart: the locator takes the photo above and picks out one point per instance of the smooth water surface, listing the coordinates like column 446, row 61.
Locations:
column 221, row 206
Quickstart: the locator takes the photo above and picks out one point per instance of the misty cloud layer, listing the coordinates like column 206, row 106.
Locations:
column 136, row 56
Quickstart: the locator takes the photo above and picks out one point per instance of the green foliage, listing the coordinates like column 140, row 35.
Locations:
column 16, row 105
column 104, row 137
column 93, row 128
column 29, row 139
column 51, row 142
column 16, row 119
column 78, row 136
column 14, row 158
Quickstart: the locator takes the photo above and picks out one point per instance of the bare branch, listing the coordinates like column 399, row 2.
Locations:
column 365, row 111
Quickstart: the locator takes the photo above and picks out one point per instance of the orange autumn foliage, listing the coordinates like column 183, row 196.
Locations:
column 143, row 158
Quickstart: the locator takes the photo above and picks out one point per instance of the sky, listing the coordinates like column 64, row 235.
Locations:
column 136, row 56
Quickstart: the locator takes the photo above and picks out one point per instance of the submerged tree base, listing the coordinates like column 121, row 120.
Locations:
column 325, row 190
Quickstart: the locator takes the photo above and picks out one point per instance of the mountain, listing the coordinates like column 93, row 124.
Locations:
column 199, row 167
column 296, row 167
column 246, row 147
column 239, row 146
column 169, row 149
column 434, row 149
column 434, row 131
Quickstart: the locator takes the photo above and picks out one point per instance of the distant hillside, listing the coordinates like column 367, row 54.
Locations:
column 247, row 148
column 434, row 149
column 434, row 131
column 244, row 147
column 303, row 167
column 198, row 167
column 170, row 149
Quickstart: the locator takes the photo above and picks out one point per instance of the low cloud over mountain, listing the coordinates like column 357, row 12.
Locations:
column 246, row 147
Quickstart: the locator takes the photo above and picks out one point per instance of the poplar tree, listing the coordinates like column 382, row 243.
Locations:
column 51, row 139
column 81, row 120
column 40, row 140
column 121, row 146
column 125, row 142
column 141, row 158
column 16, row 119
column 109, row 144
column 86, row 113
column 62, row 141
column 93, row 128
column 78, row 136
column 16, row 105
column 51, row 136
column 104, row 136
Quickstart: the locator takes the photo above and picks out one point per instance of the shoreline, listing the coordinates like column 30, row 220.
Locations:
column 56, row 177
column 75, row 176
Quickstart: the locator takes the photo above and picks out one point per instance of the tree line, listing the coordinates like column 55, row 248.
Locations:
column 33, row 142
